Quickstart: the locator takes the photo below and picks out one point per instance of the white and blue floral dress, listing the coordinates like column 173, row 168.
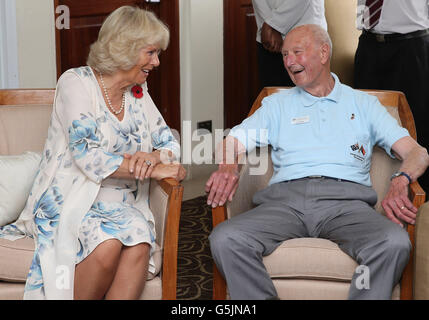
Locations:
column 74, row 205
column 113, row 216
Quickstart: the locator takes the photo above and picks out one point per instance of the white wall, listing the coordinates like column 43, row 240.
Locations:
column 36, row 43
column 9, row 77
column 201, row 60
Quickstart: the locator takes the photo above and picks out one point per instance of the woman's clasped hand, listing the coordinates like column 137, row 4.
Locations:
column 141, row 164
column 144, row 165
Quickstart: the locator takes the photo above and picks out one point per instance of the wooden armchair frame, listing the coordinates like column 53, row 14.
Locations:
column 171, row 187
column 416, row 193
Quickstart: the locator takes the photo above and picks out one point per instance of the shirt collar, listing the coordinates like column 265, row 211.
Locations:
column 308, row 100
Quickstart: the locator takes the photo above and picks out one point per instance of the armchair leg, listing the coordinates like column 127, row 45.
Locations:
column 171, row 238
column 219, row 284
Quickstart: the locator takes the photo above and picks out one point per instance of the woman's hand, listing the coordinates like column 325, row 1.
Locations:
column 172, row 170
column 142, row 164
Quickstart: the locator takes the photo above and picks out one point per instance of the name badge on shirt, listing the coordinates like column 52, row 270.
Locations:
column 301, row 120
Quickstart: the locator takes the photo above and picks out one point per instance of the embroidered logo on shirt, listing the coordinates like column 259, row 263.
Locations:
column 361, row 152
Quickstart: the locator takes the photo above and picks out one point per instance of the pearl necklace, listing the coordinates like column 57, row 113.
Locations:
column 108, row 99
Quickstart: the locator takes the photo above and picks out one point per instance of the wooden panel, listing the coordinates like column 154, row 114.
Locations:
column 241, row 80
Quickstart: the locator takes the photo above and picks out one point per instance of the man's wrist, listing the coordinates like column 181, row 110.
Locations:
column 401, row 174
column 228, row 165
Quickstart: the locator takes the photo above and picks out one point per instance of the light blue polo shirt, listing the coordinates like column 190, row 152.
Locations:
column 330, row 136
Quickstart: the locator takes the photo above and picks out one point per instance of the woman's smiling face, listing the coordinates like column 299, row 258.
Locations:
column 147, row 61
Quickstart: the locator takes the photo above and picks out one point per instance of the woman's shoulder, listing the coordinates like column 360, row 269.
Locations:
column 77, row 77
column 81, row 73
column 84, row 71
column 76, row 82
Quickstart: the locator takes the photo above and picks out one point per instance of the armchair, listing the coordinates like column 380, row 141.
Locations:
column 24, row 121
column 312, row 268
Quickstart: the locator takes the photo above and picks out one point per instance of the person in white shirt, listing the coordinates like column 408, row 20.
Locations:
column 393, row 54
column 274, row 19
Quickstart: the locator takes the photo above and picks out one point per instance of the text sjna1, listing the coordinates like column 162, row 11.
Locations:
column 221, row 309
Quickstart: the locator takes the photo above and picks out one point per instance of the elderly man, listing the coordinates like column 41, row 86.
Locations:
column 321, row 185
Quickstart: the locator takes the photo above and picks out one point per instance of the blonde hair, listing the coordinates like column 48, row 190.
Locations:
column 124, row 33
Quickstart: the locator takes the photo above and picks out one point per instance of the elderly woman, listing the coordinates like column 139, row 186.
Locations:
column 89, row 207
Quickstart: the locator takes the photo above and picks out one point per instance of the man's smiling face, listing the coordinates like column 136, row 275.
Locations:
column 302, row 57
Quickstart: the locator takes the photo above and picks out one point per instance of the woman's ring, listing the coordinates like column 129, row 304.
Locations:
column 148, row 163
column 402, row 208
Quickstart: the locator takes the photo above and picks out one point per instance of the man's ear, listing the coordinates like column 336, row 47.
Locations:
column 325, row 53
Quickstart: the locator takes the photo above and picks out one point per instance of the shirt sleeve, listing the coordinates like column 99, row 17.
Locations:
column 385, row 129
column 285, row 16
column 75, row 109
column 255, row 130
column 161, row 135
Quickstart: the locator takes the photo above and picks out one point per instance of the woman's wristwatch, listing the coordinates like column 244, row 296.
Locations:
column 401, row 173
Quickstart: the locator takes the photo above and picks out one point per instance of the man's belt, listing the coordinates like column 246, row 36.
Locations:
column 319, row 177
column 394, row 36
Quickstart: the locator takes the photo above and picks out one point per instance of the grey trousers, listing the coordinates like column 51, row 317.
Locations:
column 340, row 211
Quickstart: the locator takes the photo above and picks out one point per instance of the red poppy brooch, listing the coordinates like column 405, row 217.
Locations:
column 137, row 91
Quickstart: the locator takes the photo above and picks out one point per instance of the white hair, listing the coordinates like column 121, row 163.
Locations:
column 123, row 34
column 319, row 34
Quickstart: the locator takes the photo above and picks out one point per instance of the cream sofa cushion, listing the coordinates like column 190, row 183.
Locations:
column 16, row 257
column 17, row 175
column 310, row 258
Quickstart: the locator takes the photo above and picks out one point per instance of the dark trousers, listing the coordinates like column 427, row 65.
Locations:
column 272, row 72
column 401, row 65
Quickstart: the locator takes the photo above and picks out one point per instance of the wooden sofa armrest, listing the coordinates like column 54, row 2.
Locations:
column 174, row 190
column 417, row 197
column 417, row 194
column 26, row 96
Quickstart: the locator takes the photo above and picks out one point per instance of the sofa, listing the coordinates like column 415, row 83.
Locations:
column 24, row 120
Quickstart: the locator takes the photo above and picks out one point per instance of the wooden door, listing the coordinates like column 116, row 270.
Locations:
column 86, row 18
column 241, row 82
